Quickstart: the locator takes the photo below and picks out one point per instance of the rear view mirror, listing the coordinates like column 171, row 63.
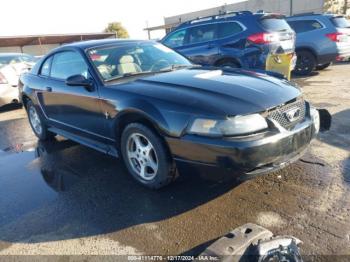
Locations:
column 80, row 80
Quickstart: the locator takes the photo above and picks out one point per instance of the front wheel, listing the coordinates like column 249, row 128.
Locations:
column 306, row 63
column 36, row 122
column 146, row 157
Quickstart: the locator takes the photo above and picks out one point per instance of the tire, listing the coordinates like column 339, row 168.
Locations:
column 37, row 123
column 324, row 66
column 306, row 63
column 149, row 154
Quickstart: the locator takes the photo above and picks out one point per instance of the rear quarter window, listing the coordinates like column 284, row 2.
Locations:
column 46, row 67
column 275, row 24
column 301, row 26
column 228, row 29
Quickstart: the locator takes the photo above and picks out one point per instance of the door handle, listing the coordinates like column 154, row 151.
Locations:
column 48, row 89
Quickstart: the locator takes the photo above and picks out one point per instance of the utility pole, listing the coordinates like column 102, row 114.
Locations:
column 345, row 7
column 291, row 8
column 148, row 32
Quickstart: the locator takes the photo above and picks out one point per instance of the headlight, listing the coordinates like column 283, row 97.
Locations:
column 238, row 125
column 315, row 115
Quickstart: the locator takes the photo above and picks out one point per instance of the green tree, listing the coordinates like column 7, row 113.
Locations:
column 337, row 6
column 118, row 29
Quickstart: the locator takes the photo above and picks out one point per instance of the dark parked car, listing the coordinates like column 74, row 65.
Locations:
column 236, row 39
column 147, row 103
column 321, row 40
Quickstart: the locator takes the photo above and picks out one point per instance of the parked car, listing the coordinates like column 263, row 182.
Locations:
column 321, row 40
column 8, row 86
column 154, row 108
column 20, row 60
column 12, row 65
column 235, row 39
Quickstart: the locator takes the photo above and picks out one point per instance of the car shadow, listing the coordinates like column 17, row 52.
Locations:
column 70, row 191
column 341, row 63
column 346, row 170
column 10, row 107
column 314, row 73
column 338, row 135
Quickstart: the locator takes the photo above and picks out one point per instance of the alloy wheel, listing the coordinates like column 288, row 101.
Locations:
column 35, row 120
column 142, row 156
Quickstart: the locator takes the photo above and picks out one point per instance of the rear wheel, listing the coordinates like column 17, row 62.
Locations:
column 306, row 63
column 36, row 122
column 146, row 157
column 324, row 66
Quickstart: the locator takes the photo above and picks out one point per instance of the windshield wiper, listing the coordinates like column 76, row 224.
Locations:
column 126, row 75
column 176, row 67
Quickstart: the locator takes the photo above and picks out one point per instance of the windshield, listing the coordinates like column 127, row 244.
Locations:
column 275, row 24
column 341, row 22
column 135, row 59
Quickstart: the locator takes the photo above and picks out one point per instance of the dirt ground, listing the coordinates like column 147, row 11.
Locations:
column 65, row 199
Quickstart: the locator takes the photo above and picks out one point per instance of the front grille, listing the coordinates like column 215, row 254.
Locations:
column 280, row 113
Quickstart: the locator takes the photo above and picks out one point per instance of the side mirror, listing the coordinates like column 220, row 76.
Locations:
column 80, row 80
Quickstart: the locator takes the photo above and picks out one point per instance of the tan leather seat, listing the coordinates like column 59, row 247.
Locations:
column 127, row 65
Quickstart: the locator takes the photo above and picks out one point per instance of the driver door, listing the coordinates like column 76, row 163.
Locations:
column 72, row 108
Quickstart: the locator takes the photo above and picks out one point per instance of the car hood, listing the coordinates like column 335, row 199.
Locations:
column 218, row 91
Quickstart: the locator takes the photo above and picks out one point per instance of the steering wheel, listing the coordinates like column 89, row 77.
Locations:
column 161, row 63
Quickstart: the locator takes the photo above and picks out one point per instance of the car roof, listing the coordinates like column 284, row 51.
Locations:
column 314, row 15
column 228, row 16
column 219, row 18
column 95, row 43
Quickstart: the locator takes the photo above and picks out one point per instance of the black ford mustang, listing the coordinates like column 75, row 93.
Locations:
column 150, row 105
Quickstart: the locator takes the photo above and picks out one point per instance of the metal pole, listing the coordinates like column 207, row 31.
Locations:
column 345, row 7
column 291, row 8
column 148, row 31
column 41, row 47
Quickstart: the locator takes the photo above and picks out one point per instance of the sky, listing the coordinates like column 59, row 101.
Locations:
column 30, row 17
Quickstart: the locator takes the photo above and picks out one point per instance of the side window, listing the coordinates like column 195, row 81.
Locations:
column 202, row 33
column 176, row 39
column 68, row 63
column 45, row 68
column 229, row 28
column 301, row 26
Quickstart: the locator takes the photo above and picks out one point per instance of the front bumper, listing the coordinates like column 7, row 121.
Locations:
column 249, row 155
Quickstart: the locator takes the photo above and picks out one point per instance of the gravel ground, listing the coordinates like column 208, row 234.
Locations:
column 65, row 199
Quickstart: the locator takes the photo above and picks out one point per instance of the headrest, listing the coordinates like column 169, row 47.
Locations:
column 126, row 59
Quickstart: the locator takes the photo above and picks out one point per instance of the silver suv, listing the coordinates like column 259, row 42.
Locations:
column 321, row 40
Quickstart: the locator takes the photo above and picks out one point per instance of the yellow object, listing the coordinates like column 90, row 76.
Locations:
column 280, row 63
